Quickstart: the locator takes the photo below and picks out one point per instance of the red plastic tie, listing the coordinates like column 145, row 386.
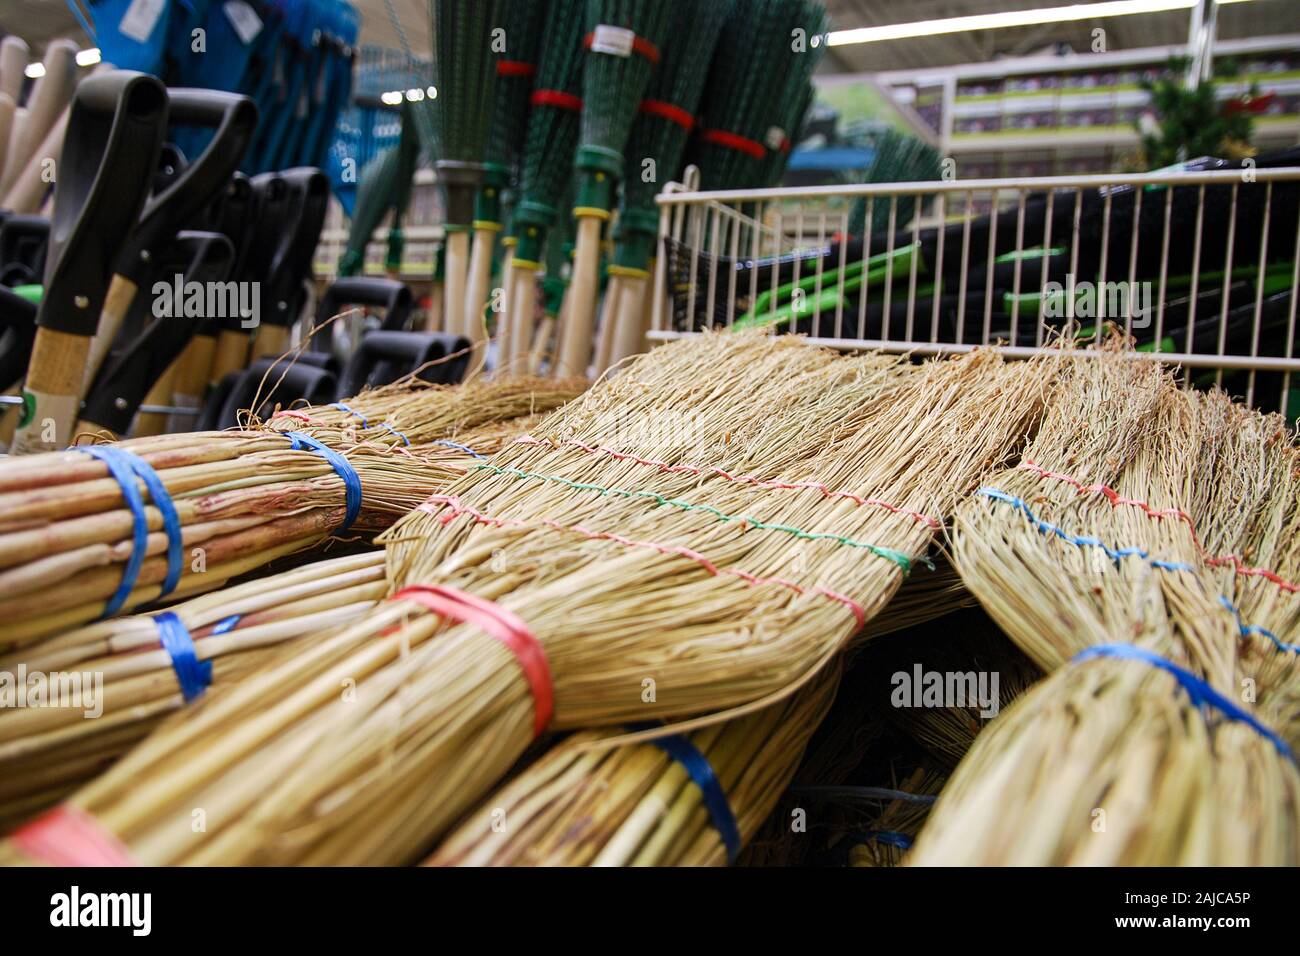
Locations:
column 740, row 144
column 68, row 836
column 558, row 99
column 515, row 68
column 674, row 114
column 506, row 626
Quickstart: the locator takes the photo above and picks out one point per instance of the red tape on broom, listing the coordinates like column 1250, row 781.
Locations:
column 506, row 626
column 674, row 114
column 515, row 68
column 639, row 45
column 741, row 144
column 557, row 98
column 68, row 836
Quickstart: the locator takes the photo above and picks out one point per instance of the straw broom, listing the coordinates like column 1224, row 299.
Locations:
column 464, row 71
column 548, row 156
column 241, row 498
column 1143, row 781
column 376, row 778
column 516, row 68
column 623, row 40
column 46, row 752
column 659, row 134
column 584, row 805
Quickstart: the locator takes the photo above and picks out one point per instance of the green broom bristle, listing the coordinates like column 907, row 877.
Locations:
column 792, row 124
column 516, row 67
column 615, row 78
column 464, row 72
column 743, row 92
column 552, row 129
column 900, row 158
column 678, row 82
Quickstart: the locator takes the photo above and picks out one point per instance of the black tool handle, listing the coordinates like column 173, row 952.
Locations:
column 388, row 294
column 382, row 357
column 282, row 386
column 309, row 194
column 115, row 130
column 23, row 242
column 17, row 330
column 234, row 117
column 123, row 382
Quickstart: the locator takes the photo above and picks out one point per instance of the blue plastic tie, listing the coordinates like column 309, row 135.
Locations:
column 226, row 624
column 125, row 469
column 350, row 411
column 1047, row 528
column 341, row 466
column 459, row 447
column 700, row 771
column 1201, row 693
column 193, row 674
column 1249, row 629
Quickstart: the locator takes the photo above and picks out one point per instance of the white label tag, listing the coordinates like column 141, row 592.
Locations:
column 617, row 41
column 775, row 137
column 244, row 19
column 140, row 19
column 50, row 424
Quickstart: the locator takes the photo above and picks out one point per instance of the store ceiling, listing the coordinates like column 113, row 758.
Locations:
column 39, row 21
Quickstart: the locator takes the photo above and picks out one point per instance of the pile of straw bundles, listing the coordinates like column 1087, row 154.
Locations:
column 100, row 530
column 1144, row 553
column 698, row 536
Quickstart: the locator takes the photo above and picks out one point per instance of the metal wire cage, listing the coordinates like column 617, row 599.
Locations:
column 1200, row 267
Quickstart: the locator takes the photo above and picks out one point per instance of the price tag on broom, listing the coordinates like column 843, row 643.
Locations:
column 616, row 41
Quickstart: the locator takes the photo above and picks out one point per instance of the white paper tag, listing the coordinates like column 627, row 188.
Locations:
column 140, row 19
column 617, row 41
column 775, row 137
column 244, row 19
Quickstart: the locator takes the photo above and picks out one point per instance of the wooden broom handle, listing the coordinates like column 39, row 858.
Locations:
column 7, row 110
column 54, row 376
column 271, row 341
column 433, row 319
column 505, row 326
column 478, row 287
column 538, row 352
column 230, row 354
column 633, row 310
column 456, row 265
column 14, row 57
column 49, row 97
column 29, row 187
column 117, row 302
column 608, row 317
column 155, row 423
column 574, row 352
column 521, row 305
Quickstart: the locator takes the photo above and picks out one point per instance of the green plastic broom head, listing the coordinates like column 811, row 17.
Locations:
column 744, row 84
column 516, row 48
column 900, row 158
column 663, row 124
column 787, row 135
column 552, row 126
column 383, row 184
column 464, row 71
column 623, row 39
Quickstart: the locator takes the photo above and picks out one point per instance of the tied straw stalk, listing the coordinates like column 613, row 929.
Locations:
column 68, row 539
column 659, row 133
column 623, row 40
column 581, row 804
column 47, row 752
column 732, row 532
column 1113, row 533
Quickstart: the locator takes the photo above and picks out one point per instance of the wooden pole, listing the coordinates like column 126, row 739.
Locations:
column 574, row 352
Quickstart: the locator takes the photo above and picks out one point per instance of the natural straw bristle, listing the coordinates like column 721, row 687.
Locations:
column 623, row 570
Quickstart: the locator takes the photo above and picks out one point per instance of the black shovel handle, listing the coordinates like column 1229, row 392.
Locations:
column 234, row 118
column 388, row 294
column 309, row 193
column 123, row 382
column 115, row 130
column 23, row 242
column 383, row 357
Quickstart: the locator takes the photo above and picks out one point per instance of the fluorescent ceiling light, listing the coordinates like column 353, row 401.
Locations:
column 88, row 57
column 35, row 70
column 1011, row 18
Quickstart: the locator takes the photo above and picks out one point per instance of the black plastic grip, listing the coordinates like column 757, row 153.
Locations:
column 309, row 194
column 23, row 241
column 125, row 380
column 388, row 294
column 383, row 357
column 115, row 130
column 234, row 118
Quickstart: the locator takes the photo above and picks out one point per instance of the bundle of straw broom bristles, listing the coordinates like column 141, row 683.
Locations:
column 679, row 544
column 697, row 549
column 243, row 497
